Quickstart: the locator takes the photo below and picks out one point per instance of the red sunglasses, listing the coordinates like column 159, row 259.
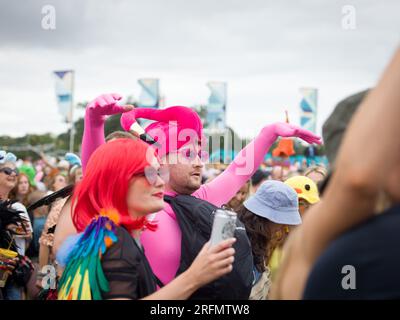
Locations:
column 151, row 174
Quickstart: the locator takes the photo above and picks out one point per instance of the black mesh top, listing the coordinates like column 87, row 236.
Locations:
column 127, row 269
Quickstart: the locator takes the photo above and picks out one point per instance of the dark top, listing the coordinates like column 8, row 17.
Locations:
column 373, row 249
column 127, row 269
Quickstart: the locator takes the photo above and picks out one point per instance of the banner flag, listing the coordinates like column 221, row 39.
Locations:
column 216, row 107
column 308, row 108
column 64, row 93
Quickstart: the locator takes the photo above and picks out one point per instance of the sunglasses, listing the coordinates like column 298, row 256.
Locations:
column 190, row 155
column 152, row 174
column 8, row 171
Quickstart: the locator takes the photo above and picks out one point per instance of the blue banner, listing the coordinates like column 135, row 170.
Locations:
column 150, row 94
column 308, row 109
column 216, row 107
column 64, row 93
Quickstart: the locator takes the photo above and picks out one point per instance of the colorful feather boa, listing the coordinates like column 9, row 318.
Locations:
column 83, row 277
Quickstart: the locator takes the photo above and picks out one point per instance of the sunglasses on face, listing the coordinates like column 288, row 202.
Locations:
column 152, row 174
column 190, row 154
column 8, row 171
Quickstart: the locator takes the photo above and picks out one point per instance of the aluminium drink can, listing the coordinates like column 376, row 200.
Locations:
column 224, row 226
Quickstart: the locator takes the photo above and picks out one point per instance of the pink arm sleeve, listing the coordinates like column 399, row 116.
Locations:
column 220, row 190
column 93, row 136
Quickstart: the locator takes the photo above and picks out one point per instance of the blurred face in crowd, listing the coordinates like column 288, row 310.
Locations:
column 59, row 182
column 47, row 170
column 316, row 176
column 269, row 163
column 240, row 197
column 23, row 185
column 146, row 191
column 78, row 175
column 8, row 177
column 279, row 173
column 185, row 169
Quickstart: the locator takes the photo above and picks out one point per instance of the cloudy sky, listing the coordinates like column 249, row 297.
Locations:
column 265, row 50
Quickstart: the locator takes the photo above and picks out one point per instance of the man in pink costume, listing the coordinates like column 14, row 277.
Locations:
column 163, row 247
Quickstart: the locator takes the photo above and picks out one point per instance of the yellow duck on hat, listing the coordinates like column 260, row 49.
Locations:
column 306, row 188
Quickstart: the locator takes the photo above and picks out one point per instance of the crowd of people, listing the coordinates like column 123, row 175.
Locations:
column 24, row 183
column 132, row 218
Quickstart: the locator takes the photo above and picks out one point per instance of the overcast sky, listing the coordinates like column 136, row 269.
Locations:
column 265, row 50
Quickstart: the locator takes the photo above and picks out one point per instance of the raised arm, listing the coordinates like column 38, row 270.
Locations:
column 95, row 116
column 44, row 159
column 220, row 190
column 351, row 195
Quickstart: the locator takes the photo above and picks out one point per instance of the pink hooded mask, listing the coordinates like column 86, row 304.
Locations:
column 174, row 127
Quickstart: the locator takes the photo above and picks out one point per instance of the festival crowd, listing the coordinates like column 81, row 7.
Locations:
column 131, row 216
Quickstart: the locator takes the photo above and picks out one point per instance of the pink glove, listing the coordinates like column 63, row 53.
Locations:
column 96, row 112
column 105, row 105
column 286, row 130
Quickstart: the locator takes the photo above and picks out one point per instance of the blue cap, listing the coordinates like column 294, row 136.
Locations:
column 275, row 201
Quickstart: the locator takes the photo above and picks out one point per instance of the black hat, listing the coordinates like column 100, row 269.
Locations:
column 259, row 176
column 335, row 126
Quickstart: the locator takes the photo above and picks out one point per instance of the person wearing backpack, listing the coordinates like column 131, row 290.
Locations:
column 164, row 247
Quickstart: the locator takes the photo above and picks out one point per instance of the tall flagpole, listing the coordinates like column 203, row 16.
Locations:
column 72, row 131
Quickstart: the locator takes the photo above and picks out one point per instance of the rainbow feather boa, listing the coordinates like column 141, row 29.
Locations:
column 83, row 277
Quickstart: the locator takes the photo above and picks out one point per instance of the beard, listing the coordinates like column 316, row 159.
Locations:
column 186, row 188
